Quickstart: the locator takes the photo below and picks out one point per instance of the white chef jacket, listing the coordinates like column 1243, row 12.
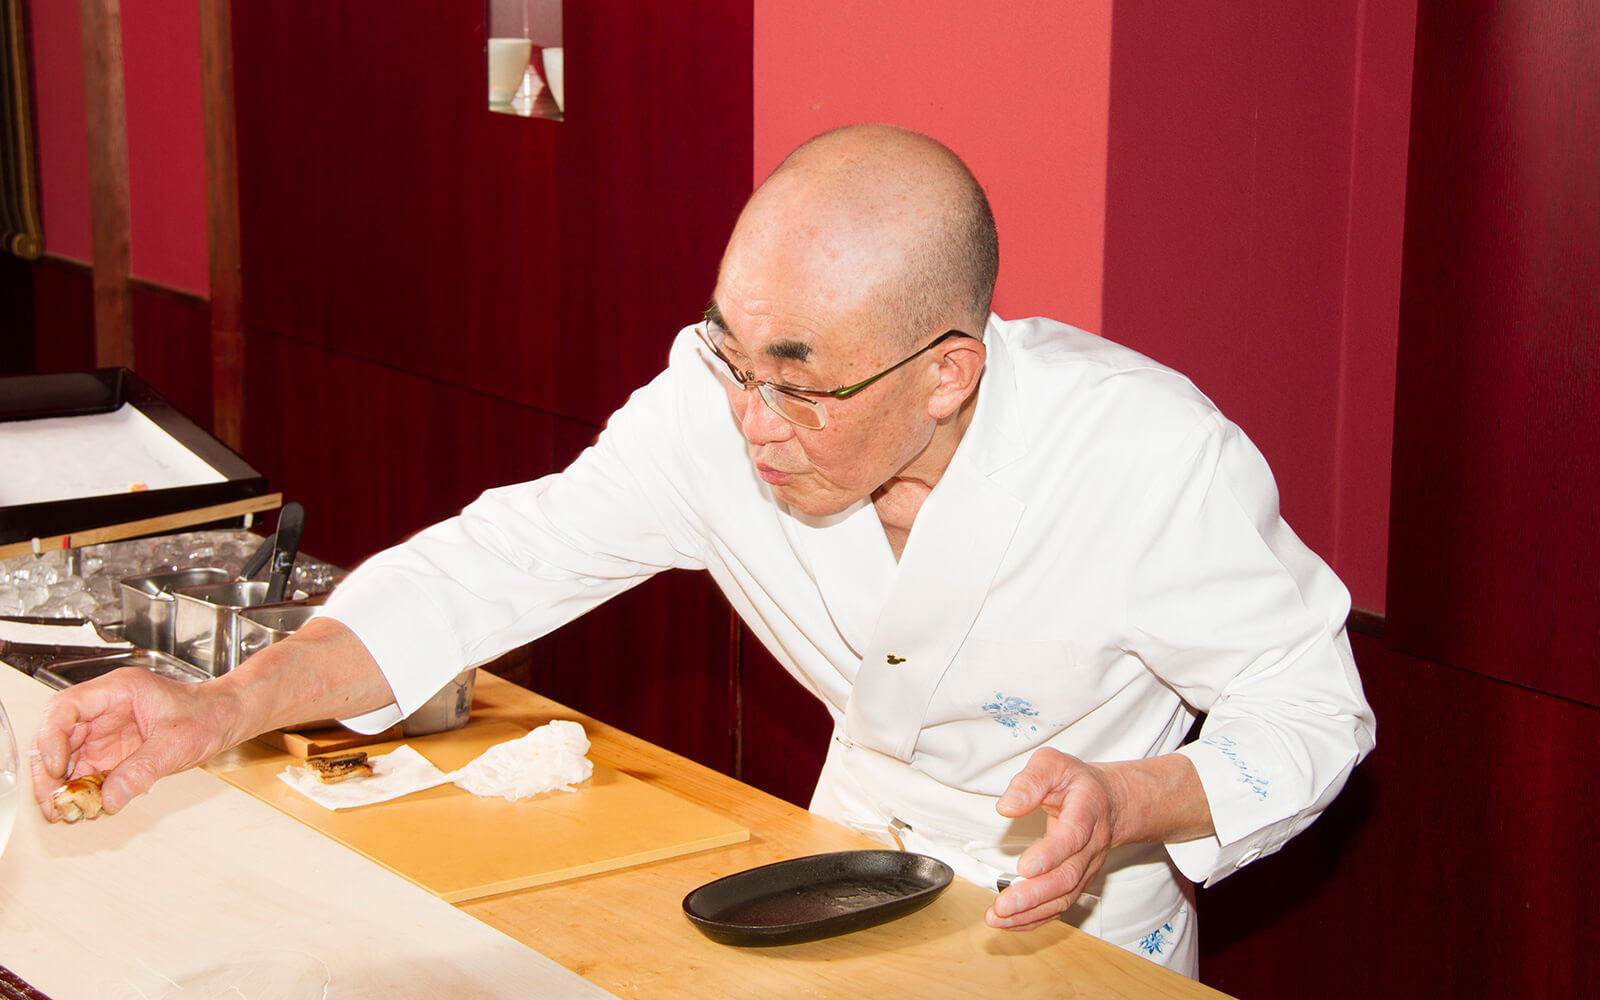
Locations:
column 1102, row 560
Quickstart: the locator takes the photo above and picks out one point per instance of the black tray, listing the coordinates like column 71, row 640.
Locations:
column 815, row 897
column 33, row 397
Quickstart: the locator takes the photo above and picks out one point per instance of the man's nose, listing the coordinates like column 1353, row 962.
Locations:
column 757, row 421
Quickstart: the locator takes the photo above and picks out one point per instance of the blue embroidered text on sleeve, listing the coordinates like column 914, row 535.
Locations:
column 1258, row 785
column 1012, row 713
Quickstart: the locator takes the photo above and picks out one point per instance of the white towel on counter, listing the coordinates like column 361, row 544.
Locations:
column 550, row 757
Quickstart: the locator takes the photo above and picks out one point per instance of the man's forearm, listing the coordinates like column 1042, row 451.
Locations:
column 323, row 671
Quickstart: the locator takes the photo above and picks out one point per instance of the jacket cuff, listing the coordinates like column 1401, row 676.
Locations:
column 411, row 643
column 1240, row 797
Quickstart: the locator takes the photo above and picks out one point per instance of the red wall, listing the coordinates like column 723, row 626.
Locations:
column 56, row 58
column 166, row 144
column 1255, row 207
column 1219, row 186
column 1498, row 444
column 1018, row 90
column 166, row 141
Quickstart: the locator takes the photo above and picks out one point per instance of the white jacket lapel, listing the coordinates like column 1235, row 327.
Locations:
column 955, row 549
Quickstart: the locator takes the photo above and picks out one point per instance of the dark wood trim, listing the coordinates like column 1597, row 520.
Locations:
column 21, row 228
column 736, row 691
column 1366, row 622
column 106, row 109
column 142, row 286
column 222, row 222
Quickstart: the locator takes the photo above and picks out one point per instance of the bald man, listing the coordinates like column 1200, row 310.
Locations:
column 1013, row 560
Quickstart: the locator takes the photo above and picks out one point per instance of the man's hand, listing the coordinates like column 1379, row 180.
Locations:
column 1091, row 808
column 130, row 725
column 135, row 728
column 1080, row 830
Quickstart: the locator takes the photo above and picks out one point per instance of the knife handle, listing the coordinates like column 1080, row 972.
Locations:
column 291, row 521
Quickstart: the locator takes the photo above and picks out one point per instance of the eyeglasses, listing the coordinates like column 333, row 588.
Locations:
column 801, row 407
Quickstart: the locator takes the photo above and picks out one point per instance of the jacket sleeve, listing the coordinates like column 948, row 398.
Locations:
column 522, row 560
column 1246, row 623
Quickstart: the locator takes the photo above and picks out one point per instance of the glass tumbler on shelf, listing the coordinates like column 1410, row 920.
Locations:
column 10, row 779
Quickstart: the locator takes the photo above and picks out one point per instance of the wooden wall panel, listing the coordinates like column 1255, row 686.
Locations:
column 784, row 730
column 1497, row 430
column 387, row 214
column 172, row 345
column 653, row 661
column 1459, row 862
column 16, row 315
column 61, row 307
column 376, row 454
column 375, row 466
column 439, row 299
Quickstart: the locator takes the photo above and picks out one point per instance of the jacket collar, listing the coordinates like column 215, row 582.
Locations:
column 909, row 619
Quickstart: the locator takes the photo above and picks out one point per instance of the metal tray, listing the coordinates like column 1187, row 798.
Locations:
column 73, row 394
column 815, row 897
column 69, row 672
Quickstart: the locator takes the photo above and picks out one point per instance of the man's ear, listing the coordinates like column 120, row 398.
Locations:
column 960, row 363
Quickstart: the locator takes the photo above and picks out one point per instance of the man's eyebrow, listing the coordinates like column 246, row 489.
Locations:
column 714, row 316
column 779, row 350
column 789, row 350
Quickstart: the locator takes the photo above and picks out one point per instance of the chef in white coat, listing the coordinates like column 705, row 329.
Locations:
column 1013, row 560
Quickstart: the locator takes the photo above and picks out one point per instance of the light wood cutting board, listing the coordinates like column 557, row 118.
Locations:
column 459, row 846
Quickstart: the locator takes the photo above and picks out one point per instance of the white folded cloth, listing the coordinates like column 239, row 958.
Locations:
column 548, row 758
column 551, row 757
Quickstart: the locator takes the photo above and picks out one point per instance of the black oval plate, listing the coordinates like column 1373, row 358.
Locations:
column 815, row 897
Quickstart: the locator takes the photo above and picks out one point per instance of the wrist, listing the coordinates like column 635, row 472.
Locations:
column 1156, row 800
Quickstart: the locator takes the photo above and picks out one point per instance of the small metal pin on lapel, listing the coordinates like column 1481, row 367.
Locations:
column 894, row 660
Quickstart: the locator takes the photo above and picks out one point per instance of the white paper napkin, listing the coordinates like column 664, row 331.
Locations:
column 548, row 758
column 400, row 772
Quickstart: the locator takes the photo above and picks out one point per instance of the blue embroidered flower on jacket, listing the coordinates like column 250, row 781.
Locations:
column 1012, row 713
column 1155, row 942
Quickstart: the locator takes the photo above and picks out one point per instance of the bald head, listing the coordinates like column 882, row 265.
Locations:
column 876, row 218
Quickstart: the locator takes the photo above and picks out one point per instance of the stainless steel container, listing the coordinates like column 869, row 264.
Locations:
column 69, row 672
column 204, row 626
column 148, row 608
column 449, row 709
column 257, row 628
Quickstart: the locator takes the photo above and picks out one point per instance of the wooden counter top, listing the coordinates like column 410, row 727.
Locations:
column 200, row 874
column 626, row 932
column 199, row 886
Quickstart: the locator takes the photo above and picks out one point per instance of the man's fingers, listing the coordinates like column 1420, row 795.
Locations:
column 1030, row 787
column 1025, row 922
column 1016, row 910
column 1032, row 892
column 53, row 746
column 131, row 779
column 43, row 784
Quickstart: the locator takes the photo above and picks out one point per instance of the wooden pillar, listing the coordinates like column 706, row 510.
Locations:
column 108, row 180
column 222, row 222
